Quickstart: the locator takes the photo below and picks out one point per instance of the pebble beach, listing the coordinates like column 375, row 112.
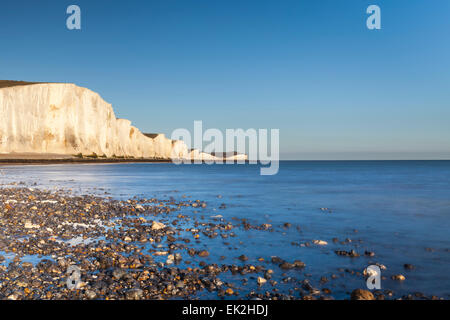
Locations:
column 151, row 249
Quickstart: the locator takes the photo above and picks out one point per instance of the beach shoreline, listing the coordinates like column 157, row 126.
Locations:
column 5, row 162
column 139, row 249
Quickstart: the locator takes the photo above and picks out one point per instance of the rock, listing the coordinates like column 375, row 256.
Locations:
column 382, row 266
column 286, row 266
column 177, row 257
column 320, row 242
column 203, row 253
column 261, row 280
column 360, row 294
column 13, row 296
column 157, row 225
column 369, row 272
column 29, row 225
column 398, row 277
column 160, row 253
column 243, row 257
column 277, row 260
column 171, row 239
column 90, row 294
column 408, row 266
column 134, row 294
column 326, row 291
column 268, row 274
column 266, row 226
column 118, row 273
column 351, row 253
column 299, row 264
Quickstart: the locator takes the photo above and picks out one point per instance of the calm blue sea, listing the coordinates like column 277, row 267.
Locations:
column 398, row 209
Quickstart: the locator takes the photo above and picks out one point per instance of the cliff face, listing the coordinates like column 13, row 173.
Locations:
column 67, row 119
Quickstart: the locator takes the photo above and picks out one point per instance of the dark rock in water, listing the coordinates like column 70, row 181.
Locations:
column 351, row 253
column 326, row 291
column 243, row 257
column 408, row 266
column 299, row 264
column 203, row 253
column 134, row 294
column 369, row 253
column 398, row 277
column 171, row 239
column 286, row 266
column 268, row 274
column 177, row 257
column 277, row 260
column 360, row 294
column 307, row 286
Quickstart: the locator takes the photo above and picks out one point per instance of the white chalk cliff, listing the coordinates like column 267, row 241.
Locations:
column 62, row 118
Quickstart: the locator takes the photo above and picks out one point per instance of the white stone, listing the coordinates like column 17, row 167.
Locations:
column 261, row 280
column 157, row 225
column 29, row 225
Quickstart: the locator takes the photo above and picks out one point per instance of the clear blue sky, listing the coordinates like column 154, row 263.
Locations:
column 310, row 68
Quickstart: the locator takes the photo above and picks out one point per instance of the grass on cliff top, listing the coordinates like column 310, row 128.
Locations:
column 12, row 83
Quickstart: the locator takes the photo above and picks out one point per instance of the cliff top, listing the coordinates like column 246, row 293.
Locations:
column 12, row 83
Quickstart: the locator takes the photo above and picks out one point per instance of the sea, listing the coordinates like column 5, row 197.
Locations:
column 399, row 210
